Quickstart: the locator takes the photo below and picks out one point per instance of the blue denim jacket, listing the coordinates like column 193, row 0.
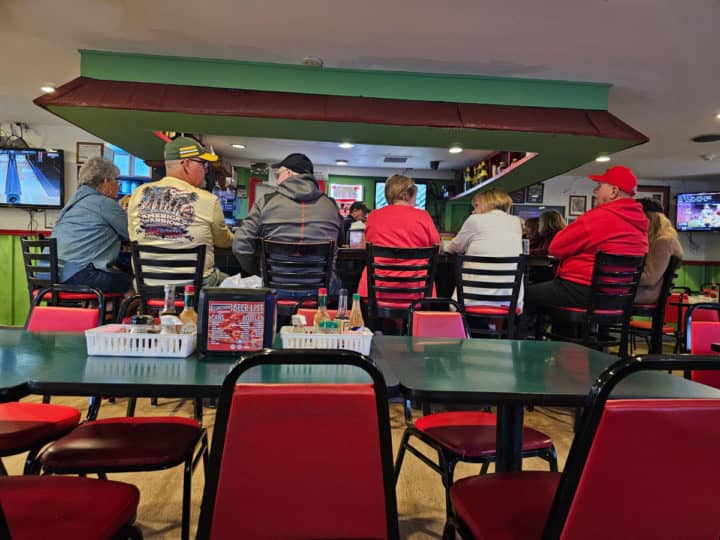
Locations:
column 89, row 230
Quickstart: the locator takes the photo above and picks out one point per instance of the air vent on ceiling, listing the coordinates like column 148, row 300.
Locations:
column 395, row 159
column 706, row 138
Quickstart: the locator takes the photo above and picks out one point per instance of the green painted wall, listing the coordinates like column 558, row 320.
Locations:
column 15, row 304
column 218, row 73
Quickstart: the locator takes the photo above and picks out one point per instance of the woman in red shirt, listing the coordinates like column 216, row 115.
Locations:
column 399, row 224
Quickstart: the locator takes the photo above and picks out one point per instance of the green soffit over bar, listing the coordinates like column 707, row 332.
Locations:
column 218, row 73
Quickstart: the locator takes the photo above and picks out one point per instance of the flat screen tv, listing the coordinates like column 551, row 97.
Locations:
column 420, row 199
column 698, row 211
column 31, row 178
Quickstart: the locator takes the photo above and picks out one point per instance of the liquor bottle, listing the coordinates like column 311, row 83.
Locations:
column 483, row 171
column 356, row 321
column 188, row 315
column 468, row 177
column 342, row 317
column 321, row 314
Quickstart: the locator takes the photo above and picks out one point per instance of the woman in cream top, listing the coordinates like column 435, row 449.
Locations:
column 490, row 232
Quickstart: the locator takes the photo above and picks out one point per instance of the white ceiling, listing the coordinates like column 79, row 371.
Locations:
column 661, row 56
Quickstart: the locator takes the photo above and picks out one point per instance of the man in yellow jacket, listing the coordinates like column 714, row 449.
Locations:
column 175, row 212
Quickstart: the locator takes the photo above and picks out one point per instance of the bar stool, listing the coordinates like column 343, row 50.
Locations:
column 41, row 269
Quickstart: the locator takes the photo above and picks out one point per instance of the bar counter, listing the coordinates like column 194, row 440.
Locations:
column 351, row 262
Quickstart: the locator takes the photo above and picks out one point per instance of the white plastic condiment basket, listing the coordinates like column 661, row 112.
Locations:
column 111, row 340
column 310, row 339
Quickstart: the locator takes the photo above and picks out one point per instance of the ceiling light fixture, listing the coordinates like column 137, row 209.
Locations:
column 239, row 146
column 455, row 149
column 602, row 159
column 341, row 162
column 346, row 145
column 717, row 116
column 47, row 88
column 312, row 61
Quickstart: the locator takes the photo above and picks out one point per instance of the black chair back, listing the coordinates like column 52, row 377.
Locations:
column 397, row 278
column 570, row 481
column 241, row 448
column 657, row 311
column 615, row 280
column 300, row 267
column 155, row 266
column 41, row 264
column 493, row 280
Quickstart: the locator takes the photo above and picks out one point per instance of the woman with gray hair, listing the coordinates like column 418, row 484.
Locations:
column 90, row 229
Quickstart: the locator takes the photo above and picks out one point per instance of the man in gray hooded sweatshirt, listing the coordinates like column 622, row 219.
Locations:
column 297, row 212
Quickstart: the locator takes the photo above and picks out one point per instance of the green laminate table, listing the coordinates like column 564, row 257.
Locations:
column 58, row 364
column 511, row 374
column 505, row 373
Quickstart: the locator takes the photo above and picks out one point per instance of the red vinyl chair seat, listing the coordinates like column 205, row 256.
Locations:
column 309, row 314
column 472, row 434
column 23, row 425
column 66, row 507
column 647, row 325
column 702, row 335
column 572, row 309
column 390, row 304
column 76, row 296
column 160, row 303
column 438, row 324
column 489, row 310
column 123, row 443
column 312, row 491
column 505, row 505
column 62, row 319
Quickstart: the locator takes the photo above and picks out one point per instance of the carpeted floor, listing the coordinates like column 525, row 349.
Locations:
column 420, row 494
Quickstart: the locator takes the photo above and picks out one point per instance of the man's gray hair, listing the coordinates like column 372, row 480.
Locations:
column 95, row 170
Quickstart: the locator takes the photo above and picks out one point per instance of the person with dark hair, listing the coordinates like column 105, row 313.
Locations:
column 663, row 243
column 90, row 230
column 550, row 223
column 358, row 212
column 297, row 212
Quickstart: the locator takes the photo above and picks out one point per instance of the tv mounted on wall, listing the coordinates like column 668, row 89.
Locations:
column 32, row 178
column 698, row 211
column 420, row 199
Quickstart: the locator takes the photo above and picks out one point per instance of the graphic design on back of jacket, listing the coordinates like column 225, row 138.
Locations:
column 166, row 212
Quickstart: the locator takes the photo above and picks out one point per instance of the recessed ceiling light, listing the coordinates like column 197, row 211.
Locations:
column 455, row 149
column 717, row 116
column 342, row 162
column 346, row 145
column 602, row 159
column 48, row 88
column 239, row 146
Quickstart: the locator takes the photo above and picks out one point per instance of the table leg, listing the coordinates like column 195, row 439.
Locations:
column 509, row 437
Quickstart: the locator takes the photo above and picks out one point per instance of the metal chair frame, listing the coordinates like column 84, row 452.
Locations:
column 381, row 259
column 297, row 357
column 583, row 441
column 42, row 271
column 656, row 311
column 468, row 277
column 613, row 286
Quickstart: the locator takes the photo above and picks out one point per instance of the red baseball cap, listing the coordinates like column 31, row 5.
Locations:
column 619, row 176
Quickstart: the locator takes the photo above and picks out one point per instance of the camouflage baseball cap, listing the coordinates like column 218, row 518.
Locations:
column 185, row 148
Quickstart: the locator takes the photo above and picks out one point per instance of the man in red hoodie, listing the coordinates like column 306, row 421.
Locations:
column 616, row 225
